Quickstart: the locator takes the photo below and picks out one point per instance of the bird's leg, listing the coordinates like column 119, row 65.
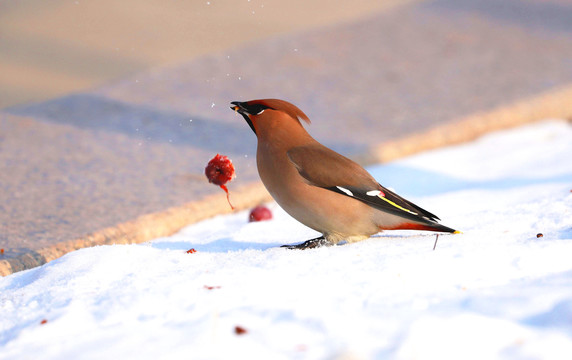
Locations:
column 310, row 244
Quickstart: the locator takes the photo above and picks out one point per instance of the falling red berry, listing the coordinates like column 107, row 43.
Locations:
column 239, row 330
column 539, row 235
column 260, row 213
column 191, row 251
column 219, row 171
column 43, row 322
column 1, row 251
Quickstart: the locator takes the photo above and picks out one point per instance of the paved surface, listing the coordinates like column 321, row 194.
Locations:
column 51, row 48
column 123, row 163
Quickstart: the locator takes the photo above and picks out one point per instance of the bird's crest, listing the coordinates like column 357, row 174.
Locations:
column 281, row 105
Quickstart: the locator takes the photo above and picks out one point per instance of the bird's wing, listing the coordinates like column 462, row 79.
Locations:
column 327, row 169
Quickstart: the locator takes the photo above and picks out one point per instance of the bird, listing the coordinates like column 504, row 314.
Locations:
column 319, row 187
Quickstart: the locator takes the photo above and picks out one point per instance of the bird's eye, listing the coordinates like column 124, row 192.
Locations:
column 258, row 109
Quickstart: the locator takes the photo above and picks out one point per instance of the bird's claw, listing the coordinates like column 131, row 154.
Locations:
column 310, row 244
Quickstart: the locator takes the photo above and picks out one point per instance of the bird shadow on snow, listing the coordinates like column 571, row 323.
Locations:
column 229, row 245
column 216, row 246
column 409, row 181
column 565, row 234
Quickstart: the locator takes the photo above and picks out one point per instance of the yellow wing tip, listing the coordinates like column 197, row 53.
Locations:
column 457, row 232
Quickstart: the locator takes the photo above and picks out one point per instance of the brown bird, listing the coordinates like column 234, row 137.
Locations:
column 319, row 187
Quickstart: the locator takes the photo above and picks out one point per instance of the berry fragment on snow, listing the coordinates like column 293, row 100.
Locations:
column 211, row 287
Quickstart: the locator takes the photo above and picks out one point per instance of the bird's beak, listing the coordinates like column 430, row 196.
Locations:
column 239, row 108
column 236, row 106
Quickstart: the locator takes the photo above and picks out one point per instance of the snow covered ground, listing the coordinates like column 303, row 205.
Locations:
column 495, row 291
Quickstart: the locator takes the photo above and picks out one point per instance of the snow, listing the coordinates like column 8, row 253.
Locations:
column 495, row 291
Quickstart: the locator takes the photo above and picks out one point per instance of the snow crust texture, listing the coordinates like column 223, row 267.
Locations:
column 497, row 291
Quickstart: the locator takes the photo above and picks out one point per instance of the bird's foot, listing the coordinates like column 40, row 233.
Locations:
column 310, row 244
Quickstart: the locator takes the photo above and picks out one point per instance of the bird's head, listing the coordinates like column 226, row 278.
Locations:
column 266, row 113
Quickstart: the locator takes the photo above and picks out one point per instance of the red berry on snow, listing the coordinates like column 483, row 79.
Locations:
column 239, row 330
column 191, row 251
column 43, row 322
column 219, row 171
column 260, row 213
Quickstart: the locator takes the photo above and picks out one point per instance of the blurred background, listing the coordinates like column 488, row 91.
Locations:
column 52, row 47
column 111, row 109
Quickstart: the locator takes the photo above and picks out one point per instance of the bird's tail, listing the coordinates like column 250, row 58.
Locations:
column 427, row 227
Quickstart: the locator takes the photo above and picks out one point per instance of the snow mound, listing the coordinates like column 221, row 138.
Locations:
column 495, row 291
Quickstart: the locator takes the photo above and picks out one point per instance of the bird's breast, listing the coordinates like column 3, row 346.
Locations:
column 277, row 172
column 320, row 209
